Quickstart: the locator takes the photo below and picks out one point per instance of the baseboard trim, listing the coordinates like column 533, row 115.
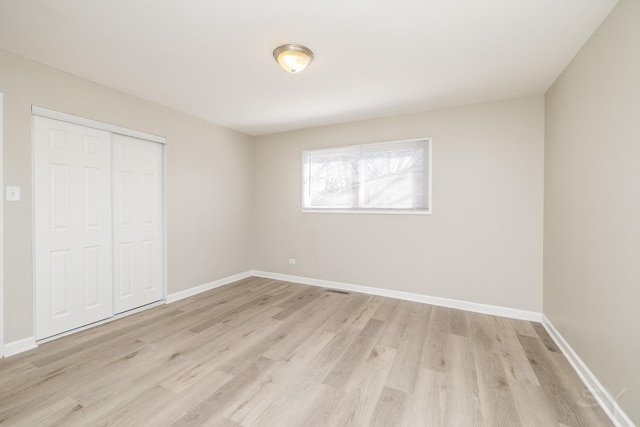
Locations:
column 408, row 296
column 177, row 296
column 13, row 348
column 599, row 392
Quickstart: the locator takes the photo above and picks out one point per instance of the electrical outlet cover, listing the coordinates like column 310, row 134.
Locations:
column 13, row 193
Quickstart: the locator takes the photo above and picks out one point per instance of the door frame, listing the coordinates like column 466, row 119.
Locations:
column 1, row 226
column 83, row 121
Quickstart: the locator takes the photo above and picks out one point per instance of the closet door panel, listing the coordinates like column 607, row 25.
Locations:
column 138, row 222
column 72, row 218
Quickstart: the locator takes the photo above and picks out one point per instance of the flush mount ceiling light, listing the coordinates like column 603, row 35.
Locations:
column 293, row 57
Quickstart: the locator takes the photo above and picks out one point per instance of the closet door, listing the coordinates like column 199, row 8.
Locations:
column 138, row 222
column 72, row 217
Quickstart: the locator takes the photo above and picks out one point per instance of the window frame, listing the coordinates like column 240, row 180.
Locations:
column 377, row 211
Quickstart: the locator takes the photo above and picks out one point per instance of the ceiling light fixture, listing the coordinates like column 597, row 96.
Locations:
column 293, row 57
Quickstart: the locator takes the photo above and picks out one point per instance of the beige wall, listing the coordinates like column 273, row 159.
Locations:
column 209, row 181
column 483, row 242
column 592, row 205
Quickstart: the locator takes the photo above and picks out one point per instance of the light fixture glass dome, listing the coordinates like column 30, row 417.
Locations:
column 293, row 57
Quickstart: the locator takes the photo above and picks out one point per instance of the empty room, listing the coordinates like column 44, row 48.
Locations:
column 335, row 213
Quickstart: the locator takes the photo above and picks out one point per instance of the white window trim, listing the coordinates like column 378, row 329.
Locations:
column 369, row 211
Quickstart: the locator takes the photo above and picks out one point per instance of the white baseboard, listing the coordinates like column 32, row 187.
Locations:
column 408, row 296
column 207, row 287
column 19, row 346
column 601, row 394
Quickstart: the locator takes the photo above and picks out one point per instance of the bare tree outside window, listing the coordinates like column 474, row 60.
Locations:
column 393, row 176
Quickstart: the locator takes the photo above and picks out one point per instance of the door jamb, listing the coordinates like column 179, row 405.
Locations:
column 1, row 226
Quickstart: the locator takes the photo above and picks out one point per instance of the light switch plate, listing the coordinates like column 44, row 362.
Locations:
column 13, row 193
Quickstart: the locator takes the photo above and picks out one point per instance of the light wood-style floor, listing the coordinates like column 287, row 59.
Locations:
column 267, row 353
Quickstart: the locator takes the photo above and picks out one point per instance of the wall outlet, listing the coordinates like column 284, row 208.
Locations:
column 292, row 261
column 13, row 193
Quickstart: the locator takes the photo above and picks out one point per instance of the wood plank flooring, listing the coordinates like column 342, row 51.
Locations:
column 268, row 353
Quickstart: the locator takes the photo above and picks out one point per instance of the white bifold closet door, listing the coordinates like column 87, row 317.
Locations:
column 73, row 250
column 137, row 222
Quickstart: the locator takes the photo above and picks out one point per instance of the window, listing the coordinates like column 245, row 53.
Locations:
column 390, row 177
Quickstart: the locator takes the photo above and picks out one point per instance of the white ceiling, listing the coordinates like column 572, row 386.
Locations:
column 212, row 58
